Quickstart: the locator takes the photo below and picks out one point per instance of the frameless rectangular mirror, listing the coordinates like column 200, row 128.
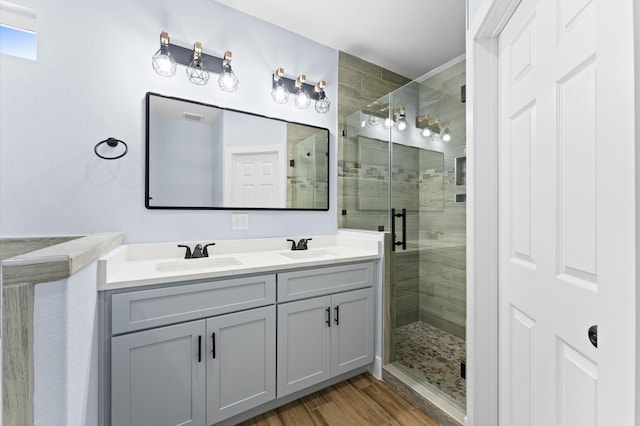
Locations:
column 202, row 156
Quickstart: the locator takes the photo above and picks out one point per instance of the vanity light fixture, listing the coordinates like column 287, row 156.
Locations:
column 162, row 62
column 196, row 71
column 199, row 65
column 301, row 99
column 281, row 86
column 228, row 81
column 279, row 92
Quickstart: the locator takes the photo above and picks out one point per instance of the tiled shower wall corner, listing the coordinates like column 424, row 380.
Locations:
column 360, row 83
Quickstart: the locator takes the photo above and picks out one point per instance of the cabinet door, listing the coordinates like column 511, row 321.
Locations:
column 241, row 362
column 304, row 335
column 157, row 378
column 352, row 337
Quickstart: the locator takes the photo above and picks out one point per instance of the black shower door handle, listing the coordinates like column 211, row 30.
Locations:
column 394, row 242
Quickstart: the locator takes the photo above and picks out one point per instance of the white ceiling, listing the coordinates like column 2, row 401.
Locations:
column 409, row 37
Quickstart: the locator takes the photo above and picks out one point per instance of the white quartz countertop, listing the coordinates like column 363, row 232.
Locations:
column 147, row 264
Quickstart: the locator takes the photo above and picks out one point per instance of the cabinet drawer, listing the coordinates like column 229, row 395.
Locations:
column 152, row 308
column 320, row 281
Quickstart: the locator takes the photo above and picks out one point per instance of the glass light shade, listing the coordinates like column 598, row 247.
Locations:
column 322, row 104
column 163, row 63
column 280, row 93
column 228, row 80
column 402, row 124
column 426, row 132
column 373, row 120
column 446, row 136
column 386, row 123
column 302, row 99
column 197, row 73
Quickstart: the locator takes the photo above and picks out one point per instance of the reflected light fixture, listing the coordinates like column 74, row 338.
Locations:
column 162, row 61
column 228, row 81
column 301, row 99
column 279, row 92
column 400, row 118
column 363, row 123
column 373, row 120
column 322, row 103
column 446, row 136
column 196, row 71
column 386, row 123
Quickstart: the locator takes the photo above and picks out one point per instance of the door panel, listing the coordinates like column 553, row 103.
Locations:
column 241, row 364
column 548, row 223
column 352, row 330
column 304, row 346
column 156, row 377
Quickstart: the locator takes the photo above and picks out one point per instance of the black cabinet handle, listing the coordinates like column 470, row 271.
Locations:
column 199, row 348
column 213, row 345
column 338, row 315
column 328, row 317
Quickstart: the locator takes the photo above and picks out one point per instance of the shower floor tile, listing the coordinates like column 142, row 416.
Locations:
column 431, row 354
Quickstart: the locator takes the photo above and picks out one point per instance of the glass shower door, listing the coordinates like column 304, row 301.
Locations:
column 428, row 280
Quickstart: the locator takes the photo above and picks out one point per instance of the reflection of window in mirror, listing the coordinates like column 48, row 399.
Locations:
column 17, row 31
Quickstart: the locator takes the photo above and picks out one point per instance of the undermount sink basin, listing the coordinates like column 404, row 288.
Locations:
column 200, row 263
column 308, row 254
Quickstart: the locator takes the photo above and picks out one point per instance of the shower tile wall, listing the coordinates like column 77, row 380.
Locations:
column 362, row 167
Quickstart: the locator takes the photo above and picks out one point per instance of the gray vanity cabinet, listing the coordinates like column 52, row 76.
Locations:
column 193, row 353
column 158, row 379
column 241, row 362
column 323, row 337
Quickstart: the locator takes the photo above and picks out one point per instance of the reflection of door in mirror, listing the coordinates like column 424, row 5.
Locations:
column 255, row 177
column 204, row 157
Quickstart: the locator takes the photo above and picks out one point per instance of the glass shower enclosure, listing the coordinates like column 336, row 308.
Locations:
column 402, row 169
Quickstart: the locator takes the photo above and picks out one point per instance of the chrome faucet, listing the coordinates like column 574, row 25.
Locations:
column 302, row 244
column 198, row 251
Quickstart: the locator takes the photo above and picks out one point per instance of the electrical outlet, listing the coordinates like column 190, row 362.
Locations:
column 239, row 221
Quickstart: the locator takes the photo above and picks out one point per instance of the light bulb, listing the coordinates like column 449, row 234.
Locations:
column 426, row 132
column 162, row 61
column 322, row 104
column 280, row 94
column 228, row 81
column 402, row 123
column 196, row 71
column 302, row 99
column 446, row 136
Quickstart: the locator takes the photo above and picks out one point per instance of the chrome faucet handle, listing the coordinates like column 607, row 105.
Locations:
column 205, row 252
column 187, row 254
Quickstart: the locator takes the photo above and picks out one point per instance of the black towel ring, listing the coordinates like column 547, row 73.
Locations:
column 113, row 143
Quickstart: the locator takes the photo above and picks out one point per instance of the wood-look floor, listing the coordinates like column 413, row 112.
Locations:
column 362, row 400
